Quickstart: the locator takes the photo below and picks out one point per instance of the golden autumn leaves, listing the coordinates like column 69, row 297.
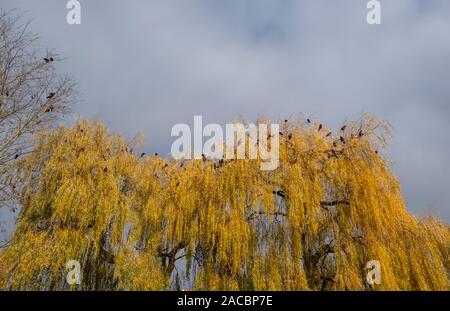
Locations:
column 147, row 223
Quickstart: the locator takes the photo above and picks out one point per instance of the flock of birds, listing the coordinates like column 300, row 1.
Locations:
column 220, row 162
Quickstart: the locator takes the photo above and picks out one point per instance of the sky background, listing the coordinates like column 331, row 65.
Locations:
column 143, row 66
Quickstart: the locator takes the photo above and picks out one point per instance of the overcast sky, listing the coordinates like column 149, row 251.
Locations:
column 143, row 66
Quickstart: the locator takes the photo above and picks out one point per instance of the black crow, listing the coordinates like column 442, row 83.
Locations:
column 46, row 59
column 343, row 128
column 342, row 139
column 360, row 134
column 308, row 120
column 329, row 134
column 156, row 154
column 142, row 154
column 50, row 95
column 320, row 127
column 16, row 156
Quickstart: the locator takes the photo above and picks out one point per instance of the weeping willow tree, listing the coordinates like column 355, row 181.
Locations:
column 147, row 223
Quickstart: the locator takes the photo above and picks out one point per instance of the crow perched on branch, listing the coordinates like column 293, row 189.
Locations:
column 343, row 128
column 308, row 120
column 142, row 154
column 51, row 95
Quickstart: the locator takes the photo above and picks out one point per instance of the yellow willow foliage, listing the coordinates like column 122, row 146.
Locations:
column 147, row 223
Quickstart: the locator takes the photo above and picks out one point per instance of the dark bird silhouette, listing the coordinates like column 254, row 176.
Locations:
column 308, row 120
column 81, row 130
column 320, row 127
column 360, row 134
column 220, row 163
column 156, row 154
column 281, row 134
column 333, row 154
column 343, row 128
column 376, row 151
column 46, row 60
column 280, row 193
column 342, row 139
column 51, row 95
column 329, row 134
column 16, row 156
column 51, row 59
column 142, row 154
column 285, row 121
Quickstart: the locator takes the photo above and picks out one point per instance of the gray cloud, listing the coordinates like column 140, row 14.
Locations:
column 146, row 65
